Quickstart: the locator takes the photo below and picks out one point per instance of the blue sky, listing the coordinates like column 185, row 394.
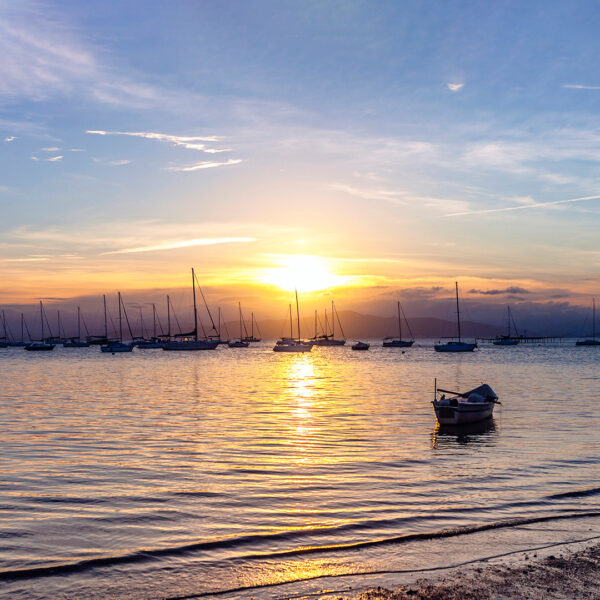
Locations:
column 405, row 143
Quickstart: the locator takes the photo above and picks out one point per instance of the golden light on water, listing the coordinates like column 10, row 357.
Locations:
column 303, row 272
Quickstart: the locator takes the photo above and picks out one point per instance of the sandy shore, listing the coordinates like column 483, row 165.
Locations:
column 561, row 575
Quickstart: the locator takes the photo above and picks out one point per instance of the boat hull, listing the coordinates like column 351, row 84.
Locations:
column 238, row 344
column 506, row 342
column 361, row 346
column 292, row 348
column 398, row 343
column 39, row 347
column 118, row 347
column 330, row 342
column 191, row 345
column 455, row 347
column 149, row 345
column 76, row 345
column 588, row 343
column 463, row 413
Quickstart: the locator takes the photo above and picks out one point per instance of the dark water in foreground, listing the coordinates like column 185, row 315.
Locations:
column 160, row 474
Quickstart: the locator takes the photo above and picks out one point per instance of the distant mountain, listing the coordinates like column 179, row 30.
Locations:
column 357, row 325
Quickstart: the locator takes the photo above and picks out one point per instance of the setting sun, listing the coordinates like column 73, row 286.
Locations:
column 303, row 272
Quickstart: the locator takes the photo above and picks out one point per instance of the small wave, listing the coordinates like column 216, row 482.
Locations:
column 145, row 555
column 575, row 494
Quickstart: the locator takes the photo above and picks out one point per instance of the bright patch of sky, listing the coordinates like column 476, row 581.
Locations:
column 348, row 120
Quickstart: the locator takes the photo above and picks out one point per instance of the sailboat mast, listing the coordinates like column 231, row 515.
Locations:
column 195, row 309
column 298, row 315
column 457, row 311
column 168, row 317
column 332, row 320
column 291, row 324
column 78, row 324
column 240, row 311
column 105, row 319
column 219, row 322
column 154, row 320
column 315, row 324
column 508, row 331
column 120, row 323
column 42, row 319
column 399, row 322
column 594, row 318
column 4, row 321
column 22, row 323
column 252, row 325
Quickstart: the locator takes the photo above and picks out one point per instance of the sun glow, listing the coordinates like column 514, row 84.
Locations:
column 303, row 272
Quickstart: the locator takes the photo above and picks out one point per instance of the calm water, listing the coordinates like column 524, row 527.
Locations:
column 162, row 474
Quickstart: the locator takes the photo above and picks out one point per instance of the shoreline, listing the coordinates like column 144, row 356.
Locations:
column 569, row 571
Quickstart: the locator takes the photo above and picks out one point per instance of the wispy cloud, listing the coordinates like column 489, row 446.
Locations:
column 118, row 163
column 526, row 206
column 55, row 158
column 573, row 86
column 496, row 292
column 183, row 244
column 454, row 87
column 205, row 165
column 52, row 149
column 395, row 196
column 189, row 142
column 10, row 138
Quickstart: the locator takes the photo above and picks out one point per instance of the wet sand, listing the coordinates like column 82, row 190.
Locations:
column 559, row 575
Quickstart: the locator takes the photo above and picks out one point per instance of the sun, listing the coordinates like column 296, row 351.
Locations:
column 302, row 272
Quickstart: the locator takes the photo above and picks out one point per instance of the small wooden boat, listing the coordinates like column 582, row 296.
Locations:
column 507, row 340
column 361, row 346
column 468, row 407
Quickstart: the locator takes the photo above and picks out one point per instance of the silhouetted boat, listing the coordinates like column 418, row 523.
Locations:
column 76, row 342
column 292, row 344
column 507, row 340
column 456, row 346
column 329, row 339
column 361, row 346
column 100, row 340
column 21, row 343
column 469, row 407
column 118, row 346
column 190, row 340
column 251, row 337
column 391, row 342
column 593, row 341
column 239, row 343
column 41, row 345
column 154, row 341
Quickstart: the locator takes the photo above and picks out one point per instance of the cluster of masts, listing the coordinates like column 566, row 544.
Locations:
column 210, row 340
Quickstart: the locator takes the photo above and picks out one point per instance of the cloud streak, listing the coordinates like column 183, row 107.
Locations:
column 189, row 142
column 572, row 86
column 528, row 206
column 204, row 165
column 454, row 87
column 183, row 244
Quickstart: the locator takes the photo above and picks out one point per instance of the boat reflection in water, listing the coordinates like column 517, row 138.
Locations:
column 483, row 433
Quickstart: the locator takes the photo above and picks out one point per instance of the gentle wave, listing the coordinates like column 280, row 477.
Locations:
column 145, row 555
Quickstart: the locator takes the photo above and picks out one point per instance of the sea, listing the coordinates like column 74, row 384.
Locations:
column 237, row 472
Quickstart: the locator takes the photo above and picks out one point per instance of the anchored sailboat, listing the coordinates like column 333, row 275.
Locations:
column 76, row 342
column 593, row 341
column 391, row 342
column 41, row 345
column 507, row 340
column 456, row 346
column 292, row 344
column 154, row 341
column 329, row 339
column 241, row 343
column 190, row 341
column 119, row 346
column 251, row 337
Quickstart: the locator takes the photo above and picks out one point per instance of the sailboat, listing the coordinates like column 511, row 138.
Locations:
column 251, row 337
column 4, row 340
column 329, row 339
column 41, row 345
column 239, row 343
column 507, row 340
column 392, row 342
column 593, row 341
column 292, row 344
column 76, row 342
column 118, row 346
column 154, row 342
column 459, row 345
column 21, row 343
column 190, row 341
column 100, row 340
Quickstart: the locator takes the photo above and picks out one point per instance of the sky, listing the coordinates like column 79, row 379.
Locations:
column 357, row 150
